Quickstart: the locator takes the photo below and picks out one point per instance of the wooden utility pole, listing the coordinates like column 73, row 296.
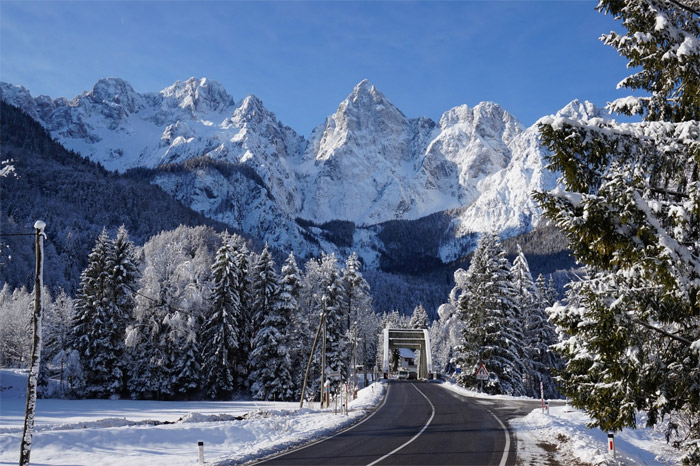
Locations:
column 33, row 380
column 321, row 325
column 323, row 354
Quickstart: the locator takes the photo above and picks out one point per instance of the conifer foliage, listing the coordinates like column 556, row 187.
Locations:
column 196, row 314
column 270, row 378
column 104, row 306
column 538, row 333
column 220, row 334
column 630, row 206
column 491, row 333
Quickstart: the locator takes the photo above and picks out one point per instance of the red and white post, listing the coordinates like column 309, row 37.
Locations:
column 542, row 395
column 611, row 444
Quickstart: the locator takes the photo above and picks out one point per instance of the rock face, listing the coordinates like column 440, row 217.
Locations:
column 366, row 164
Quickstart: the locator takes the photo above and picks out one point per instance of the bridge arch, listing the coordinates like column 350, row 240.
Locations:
column 412, row 339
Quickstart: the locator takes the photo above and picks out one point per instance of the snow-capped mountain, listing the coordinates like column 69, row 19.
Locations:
column 366, row 164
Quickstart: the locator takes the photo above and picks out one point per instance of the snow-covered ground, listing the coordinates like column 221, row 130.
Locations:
column 561, row 437
column 126, row 432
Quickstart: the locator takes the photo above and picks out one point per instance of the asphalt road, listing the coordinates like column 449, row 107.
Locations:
column 420, row 423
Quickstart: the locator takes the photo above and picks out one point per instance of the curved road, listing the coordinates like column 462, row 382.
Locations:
column 419, row 423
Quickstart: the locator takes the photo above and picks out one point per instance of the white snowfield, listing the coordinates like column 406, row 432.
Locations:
column 126, row 432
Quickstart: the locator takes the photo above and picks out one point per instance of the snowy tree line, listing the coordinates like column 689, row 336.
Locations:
column 195, row 314
column 496, row 316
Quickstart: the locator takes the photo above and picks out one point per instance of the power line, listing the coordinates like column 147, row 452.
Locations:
column 685, row 7
column 160, row 303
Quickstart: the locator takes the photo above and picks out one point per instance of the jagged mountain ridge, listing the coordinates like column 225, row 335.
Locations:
column 366, row 164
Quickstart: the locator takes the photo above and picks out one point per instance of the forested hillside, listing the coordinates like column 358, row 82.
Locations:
column 76, row 198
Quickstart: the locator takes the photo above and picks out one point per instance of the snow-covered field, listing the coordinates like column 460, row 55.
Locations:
column 125, row 432
column 561, row 437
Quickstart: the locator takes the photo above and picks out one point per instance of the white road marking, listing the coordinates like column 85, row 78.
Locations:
column 432, row 415
column 316, row 442
column 506, row 450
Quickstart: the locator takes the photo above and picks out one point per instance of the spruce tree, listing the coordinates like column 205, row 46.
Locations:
column 220, row 334
column 363, row 324
column 270, row 377
column 96, row 331
column 419, row 318
column 491, row 333
column 124, row 264
column 297, row 332
column 245, row 324
column 337, row 345
column 630, row 207
column 538, row 333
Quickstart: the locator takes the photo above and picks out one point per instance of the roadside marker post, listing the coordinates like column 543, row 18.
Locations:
column 542, row 395
column 611, row 444
column 201, row 452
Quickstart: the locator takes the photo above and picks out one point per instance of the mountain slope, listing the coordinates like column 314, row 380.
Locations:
column 76, row 198
column 367, row 165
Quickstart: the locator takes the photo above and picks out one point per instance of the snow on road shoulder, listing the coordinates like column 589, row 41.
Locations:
column 562, row 435
column 127, row 432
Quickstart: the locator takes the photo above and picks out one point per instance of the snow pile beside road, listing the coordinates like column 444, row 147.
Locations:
column 563, row 437
column 127, row 432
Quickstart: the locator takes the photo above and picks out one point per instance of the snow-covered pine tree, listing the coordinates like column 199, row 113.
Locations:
column 363, row 323
column 220, row 332
column 419, row 318
column 186, row 375
column 124, row 265
column 297, row 332
column 446, row 330
column 94, row 332
column 491, row 333
column 270, row 377
column 244, row 260
column 331, row 287
column 538, row 333
column 550, row 294
column 630, row 206
column 541, row 285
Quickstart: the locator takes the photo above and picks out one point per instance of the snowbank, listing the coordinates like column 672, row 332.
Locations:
column 126, row 432
column 561, row 437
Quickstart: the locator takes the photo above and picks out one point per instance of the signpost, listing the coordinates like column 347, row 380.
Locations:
column 481, row 375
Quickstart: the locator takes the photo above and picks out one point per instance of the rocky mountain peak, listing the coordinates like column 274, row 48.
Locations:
column 199, row 95
column 366, row 108
column 114, row 92
column 582, row 110
column 252, row 110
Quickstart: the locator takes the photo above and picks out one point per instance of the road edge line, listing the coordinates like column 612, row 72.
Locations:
column 321, row 440
column 506, row 449
column 400, row 447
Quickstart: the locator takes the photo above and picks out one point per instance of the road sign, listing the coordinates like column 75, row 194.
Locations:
column 482, row 373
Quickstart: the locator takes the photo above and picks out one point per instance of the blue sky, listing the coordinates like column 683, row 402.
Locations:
column 302, row 58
